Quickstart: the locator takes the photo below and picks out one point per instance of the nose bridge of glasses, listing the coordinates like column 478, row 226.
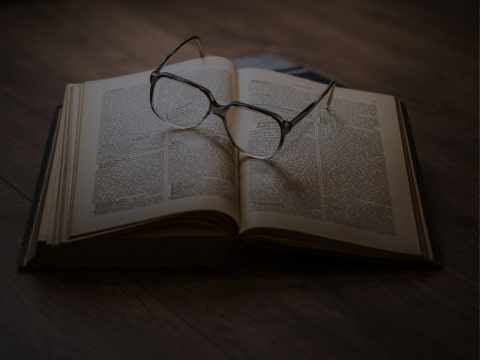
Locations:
column 217, row 109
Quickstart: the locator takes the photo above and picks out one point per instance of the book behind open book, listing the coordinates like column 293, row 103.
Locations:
column 120, row 187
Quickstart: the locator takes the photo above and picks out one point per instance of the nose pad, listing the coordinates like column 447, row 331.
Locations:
column 219, row 110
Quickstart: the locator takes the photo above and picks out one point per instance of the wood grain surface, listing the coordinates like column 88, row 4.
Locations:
column 260, row 304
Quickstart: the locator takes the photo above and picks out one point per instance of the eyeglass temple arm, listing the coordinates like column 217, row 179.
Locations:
column 171, row 53
column 330, row 89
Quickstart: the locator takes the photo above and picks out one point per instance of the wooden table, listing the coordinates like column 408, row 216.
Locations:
column 261, row 304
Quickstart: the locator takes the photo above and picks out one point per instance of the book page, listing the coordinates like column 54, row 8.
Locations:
column 133, row 166
column 340, row 174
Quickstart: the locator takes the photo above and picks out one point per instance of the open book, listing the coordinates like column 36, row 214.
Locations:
column 121, row 187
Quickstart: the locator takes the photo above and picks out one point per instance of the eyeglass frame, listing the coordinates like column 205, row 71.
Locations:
column 220, row 110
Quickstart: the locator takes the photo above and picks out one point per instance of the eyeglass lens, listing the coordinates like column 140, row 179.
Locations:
column 178, row 103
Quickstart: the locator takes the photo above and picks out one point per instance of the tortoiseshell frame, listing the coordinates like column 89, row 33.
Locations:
column 220, row 110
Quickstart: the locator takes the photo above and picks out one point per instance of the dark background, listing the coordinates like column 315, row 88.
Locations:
column 260, row 304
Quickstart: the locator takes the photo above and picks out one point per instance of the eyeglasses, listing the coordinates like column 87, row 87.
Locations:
column 185, row 104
